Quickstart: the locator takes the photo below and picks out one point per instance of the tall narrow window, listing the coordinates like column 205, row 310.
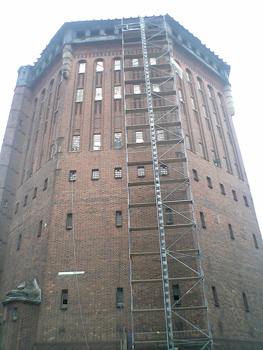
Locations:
column 187, row 142
column 245, row 302
column 118, row 219
column 117, row 173
column 216, row 301
column 45, row 184
column 16, row 208
column 82, row 67
column 75, row 143
column 193, row 103
column 140, row 171
column 98, row 94
column 201, row 149
column 69, row 222
column 64, row 299
column 95, row 174
column 19, row 242
column 139, row 136
column 72, row 175
column 117, row 144
column 25, row 200
column 255, row 241
column 231, row 232
column 119, row 297
column 222, row 188
column 99, row 66
column 176, row 294
column 245, row 201
column 117, row 65
column 117, row 92
column 79, row 96
column 196, row 178
column 168, row 216
column 234, row 195
column 39, row 231
column 202, row 218
column 96, row 142
column 15, row 314
column 209, row 182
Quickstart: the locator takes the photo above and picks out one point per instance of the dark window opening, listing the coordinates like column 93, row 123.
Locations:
column 255, row 241
column 202, row 218
column 119, row 296
column 246, row 201
column 34, row 193
column 118, row 219
column 222, row 188
column 195, row 175
column 245, row 302
column 176, row 294
column 72, row 175
column 234, row 195
column 215, row 296
column 69, row 223
column 168, row 216
column 19, row 242
column 39, row 228
column 209, row 182
column 16, row 208
column 117, row 173
column 231, row 232
column 80, row 34
column 64, row 299
column 45, row 184
column 25, row 200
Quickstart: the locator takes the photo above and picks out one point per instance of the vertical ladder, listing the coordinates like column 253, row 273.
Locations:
column 162, row 227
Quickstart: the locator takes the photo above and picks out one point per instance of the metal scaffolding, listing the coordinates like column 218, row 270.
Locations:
column 169, row 311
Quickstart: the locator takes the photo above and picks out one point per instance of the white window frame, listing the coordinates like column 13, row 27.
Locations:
column 136, row 89
column 117, row 92
column 75, row 143
column 79, row 95
column 139, row 136
column 99, row 66
column 117, row 65
column 96, row 142
column 160, row 135
column 135, row 62
column 141, row 171
column 98, row 94
column 95, row 174
column 117, row 143
column 82, row 67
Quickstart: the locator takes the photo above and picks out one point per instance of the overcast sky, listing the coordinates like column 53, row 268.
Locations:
column 231, row 28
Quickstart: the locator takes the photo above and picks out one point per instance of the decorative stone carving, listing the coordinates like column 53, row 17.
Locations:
column 28, row 292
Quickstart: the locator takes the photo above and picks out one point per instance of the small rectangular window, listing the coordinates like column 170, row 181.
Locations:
column 117, row 92
column 79, row 96
column 19, row 242
column 136, row 89
column 216, row 301
column 160, row 135
column 222, row 188
column 202, row 218
column 118, row 219
column 195, row 175
column 16, row 208
column 99, row 66
column 255, row 241
column 96, row 142
column 119, row 296
column 176, row 295
column 117, row 65
column 117, row 173
column 234, row 195
column 135, row 62
column 45, row 184
column 187, row 142
column 245, row 302
column 156, row 87
column 15, row 314
column 140, row 171
column 163, row 170
column 34, row 192
column 168, row 216
column 75, row 143
column 231, row 232
column 245, row 201
column 72, row 175
column 152, row 61
column 64, row 299
column 139, row 136
column 69, row 222
column 95, row 174
column 98, row 94
column 117, row 140
column 209, row 182
column 39, row 231
column 25, row 200
column 82, row 67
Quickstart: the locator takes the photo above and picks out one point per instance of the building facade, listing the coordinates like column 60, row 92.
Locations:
column 126, row 216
